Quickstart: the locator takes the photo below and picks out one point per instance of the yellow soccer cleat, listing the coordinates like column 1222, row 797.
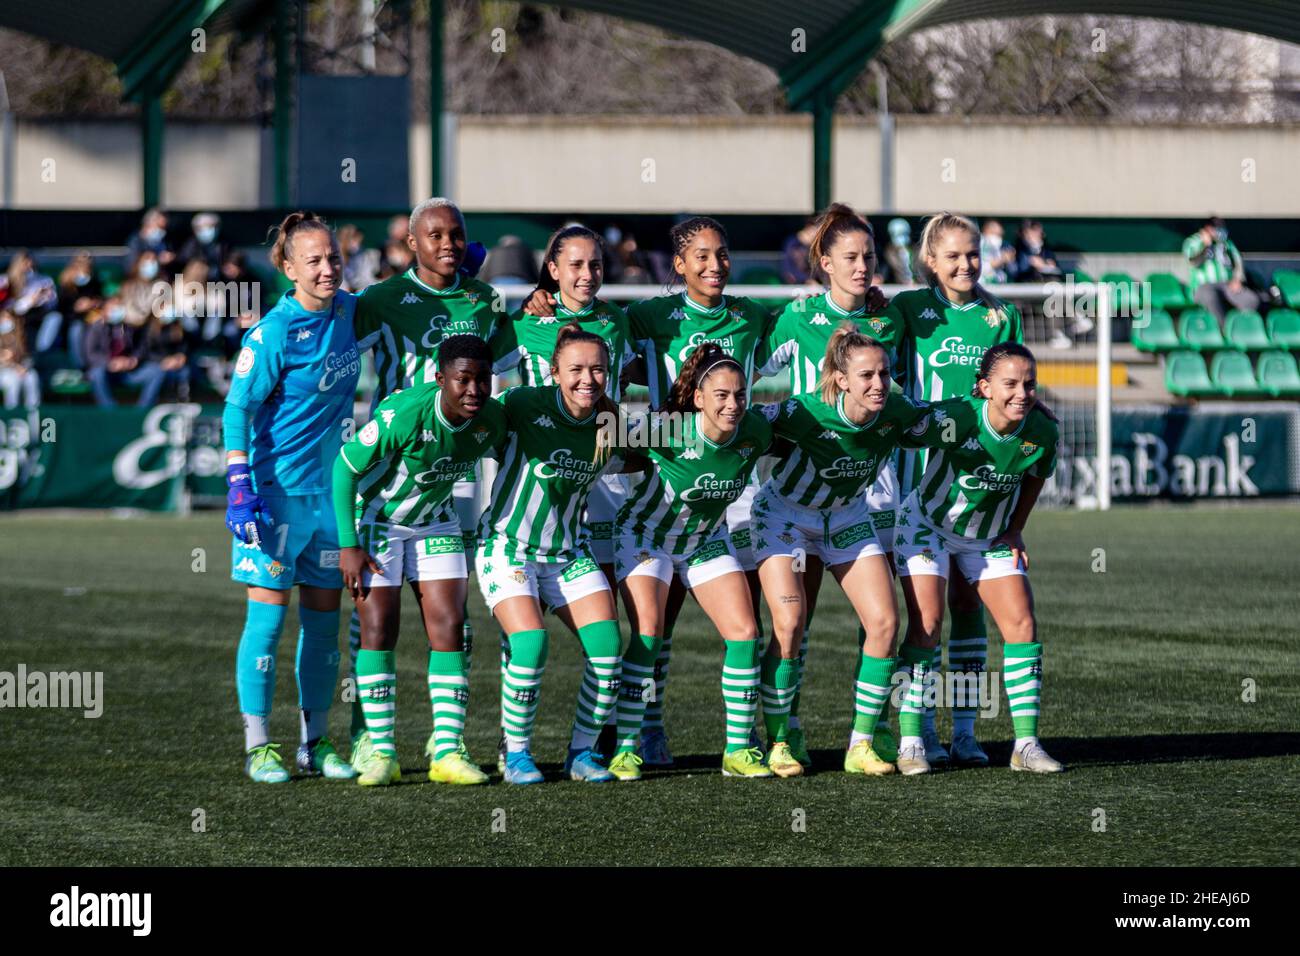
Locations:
column 626, row 765
column 782, row 762
column 799, row 747
column 455, row 769
column 380, row 771
column 860, row 758
column 745, row 763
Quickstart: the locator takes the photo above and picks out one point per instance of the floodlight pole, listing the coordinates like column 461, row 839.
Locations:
column 435, row 98
column 823, row 111
column 151, row 131
column 282, row 119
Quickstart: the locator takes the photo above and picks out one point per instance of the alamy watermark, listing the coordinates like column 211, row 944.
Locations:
column 955, row 690
column 79, row 690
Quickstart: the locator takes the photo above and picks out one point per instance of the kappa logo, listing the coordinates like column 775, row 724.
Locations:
column 410, row 299
column 246, row 565
column 256, row 335
column 690, row 454
column 829, row 435
column 387, row 415
column 790, row 406
column 973, row 444
column 544, row 421
column 676, row 315
column 546, row 319
column 819, row 319
column 426, row 435
column 303, row 335
column 930, row 315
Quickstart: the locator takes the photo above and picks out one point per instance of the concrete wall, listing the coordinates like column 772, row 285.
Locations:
column 724, row 165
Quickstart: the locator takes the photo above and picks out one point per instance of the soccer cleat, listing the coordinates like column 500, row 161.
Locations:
column 861, row 758
column 935, row 753
column 264, row 765
column 585, row 765
column 745, row 763
column 1034, row 758
column 799, row 747
column 781, row 761
column 323, row 760
column 502, row 754
column 456, row 769
column 519, row 768
column 966, row 752
column 363, row 747
column 654, row 748
column 912, row 760
column 885, row 743
column 626, row 765
column 380, row 771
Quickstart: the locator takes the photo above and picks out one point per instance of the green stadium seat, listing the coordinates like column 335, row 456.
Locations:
column 1158, row 335
column 1284, row 328
column 1244, row 330
column 1278, row 375
column 1081, row 276
column 1232, row 374
column 1199, row 330
column 1185, row 374
column 1126, row 293
column 1288, row 282
column 1167, row 292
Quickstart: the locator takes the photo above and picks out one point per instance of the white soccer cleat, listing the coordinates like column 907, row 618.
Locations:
column 1034, row 758
column 911, row 760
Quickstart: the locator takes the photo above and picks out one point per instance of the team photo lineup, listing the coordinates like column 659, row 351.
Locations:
column 883, row 465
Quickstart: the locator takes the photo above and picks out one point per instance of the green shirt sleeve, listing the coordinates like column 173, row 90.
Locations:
column 344, row 487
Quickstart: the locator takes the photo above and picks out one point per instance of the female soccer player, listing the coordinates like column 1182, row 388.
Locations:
column 947, row 327
column 991, row 452
column 400, row 470
column 842, row 249
column 405, row 319
column 811, row 514
column 294, row 383
column 534, row 549
column 702, row 450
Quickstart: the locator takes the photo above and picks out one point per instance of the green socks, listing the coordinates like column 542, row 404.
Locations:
column 377, row 692
column 654, row 709
column 780, row 681
column 870, row 692
column 598, row 692
column 1023, row 670
column 740, row 691
column 448, row 697
column 637, row 684
column 968, row 647
column 914, row 666
column 521, row 686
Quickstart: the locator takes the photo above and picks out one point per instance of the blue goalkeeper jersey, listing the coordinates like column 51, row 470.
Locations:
column 296, row 379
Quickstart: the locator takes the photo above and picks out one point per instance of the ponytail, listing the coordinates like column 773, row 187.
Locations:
column 707, row 357
column 934, row 229
column 845, row 340
column 835, row 221
column 995, row 354
column 556, row 245
column 295, row 222
column 569, row 335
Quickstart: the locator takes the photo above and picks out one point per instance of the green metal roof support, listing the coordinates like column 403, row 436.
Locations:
column 151, row 129
column 435, row 97
column 282, row 119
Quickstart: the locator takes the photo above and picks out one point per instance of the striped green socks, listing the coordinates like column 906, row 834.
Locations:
column 1023, row 670
column 598, row 692
column 377, row 691
column 654, row 709
column 870, row 692
column 521, row 686
column 740, row 691
column 449, row 698
column 780, row 681
column 638, row 678
column 968, row 647
column 914, row 666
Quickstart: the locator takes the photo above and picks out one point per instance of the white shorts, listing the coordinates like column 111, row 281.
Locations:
column 882, row 502
column 836, row 535
column 464, row 498
column 554, row 583
column 634, row 555
column 738, row 521
column 921, row 549
column 435, row 552
column 603, row 501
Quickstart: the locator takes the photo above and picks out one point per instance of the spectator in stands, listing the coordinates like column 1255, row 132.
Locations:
column 235, row 269
column 117, row 353
column 794, row 252
column 898, row 259
column 510, row 261
column 151, row 237
column 137, row 289
column 31, row 299
column 360, row 265
column 996, row 255
column 398, row 256
column 169, row 346
column 204, row 243
column 79, row 292
column 1035, row 260
column 626, row 262
column 1218, row 279
column 17, row 377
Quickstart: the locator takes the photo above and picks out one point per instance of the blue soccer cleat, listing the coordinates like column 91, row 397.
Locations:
column 585, row 765
column 521, row 769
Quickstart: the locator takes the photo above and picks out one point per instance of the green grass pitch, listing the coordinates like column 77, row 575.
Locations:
column 1143, row 699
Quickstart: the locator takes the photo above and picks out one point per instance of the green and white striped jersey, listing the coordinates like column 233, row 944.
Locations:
column 527, row 342
column 547, row 468
column 405, row 321
column 834, row 460
column 972, row 482
column 799, row 337
column 409, row 457
column 668, row 328
column 683, row 496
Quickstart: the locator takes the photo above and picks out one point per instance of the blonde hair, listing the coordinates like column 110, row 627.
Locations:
column 845, row 340
column 935, row 227
column 574, row 333
column 295, row 222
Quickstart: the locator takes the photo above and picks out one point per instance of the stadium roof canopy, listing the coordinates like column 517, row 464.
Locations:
column 149, row 40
